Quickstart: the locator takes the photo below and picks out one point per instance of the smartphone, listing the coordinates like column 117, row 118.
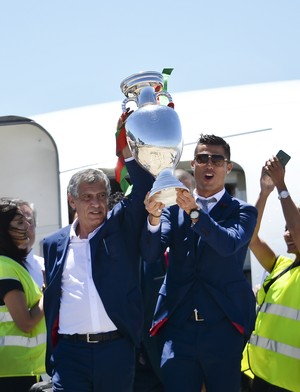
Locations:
column 283, row 157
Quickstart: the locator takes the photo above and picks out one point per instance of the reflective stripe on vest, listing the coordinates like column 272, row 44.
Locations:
column 272, row 345
column 281, row 310
column 5, row 317
column 22, row 341
column 21, row 353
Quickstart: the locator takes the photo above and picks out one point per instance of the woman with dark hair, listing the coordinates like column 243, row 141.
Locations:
column 22, row 325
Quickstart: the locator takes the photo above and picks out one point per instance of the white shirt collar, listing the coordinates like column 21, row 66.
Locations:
column 73, row 230
column 217, row 195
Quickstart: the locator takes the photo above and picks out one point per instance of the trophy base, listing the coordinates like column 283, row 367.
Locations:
column 165, row 186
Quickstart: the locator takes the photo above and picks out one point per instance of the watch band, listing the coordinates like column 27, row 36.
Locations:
column 283, row 195
column 195, row 213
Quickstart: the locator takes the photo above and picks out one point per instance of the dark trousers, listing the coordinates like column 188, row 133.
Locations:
column 93, row 367
column 17, row 384
column 146, row 379
column 260, row 385
column 195, row 354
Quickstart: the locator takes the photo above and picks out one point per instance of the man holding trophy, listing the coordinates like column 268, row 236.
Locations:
column 93, row 304
column 206, row 308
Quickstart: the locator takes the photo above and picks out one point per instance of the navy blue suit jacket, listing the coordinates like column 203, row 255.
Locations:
column 115, row 258
column 205, row 264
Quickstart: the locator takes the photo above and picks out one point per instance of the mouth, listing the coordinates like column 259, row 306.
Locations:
column 208, row 176
column 289, row 240
column 96, row 214
column 23, row 243
column 291, row 247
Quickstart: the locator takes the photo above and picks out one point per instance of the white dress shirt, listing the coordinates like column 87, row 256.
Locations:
column 81, row 308
column 217, row 196
column 35, row 266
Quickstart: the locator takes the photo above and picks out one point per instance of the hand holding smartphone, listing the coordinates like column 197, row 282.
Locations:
column 283, row 157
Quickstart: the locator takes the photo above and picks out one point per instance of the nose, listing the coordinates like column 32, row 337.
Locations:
column 95, row 201
column 24, row 228
column 209, row 162
column 27, row 223
column 287, row 235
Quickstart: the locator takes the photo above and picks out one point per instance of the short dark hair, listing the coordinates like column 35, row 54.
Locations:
column 214, row 140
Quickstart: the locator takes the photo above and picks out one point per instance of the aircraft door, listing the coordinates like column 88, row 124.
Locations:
column 29, row 170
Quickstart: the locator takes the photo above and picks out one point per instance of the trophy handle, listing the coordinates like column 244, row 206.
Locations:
column 126, row 100
column 164, row 94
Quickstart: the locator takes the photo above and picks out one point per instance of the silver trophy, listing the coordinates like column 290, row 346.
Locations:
column 153, row 132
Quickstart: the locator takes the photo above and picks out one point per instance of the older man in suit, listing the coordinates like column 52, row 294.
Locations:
column 93, row 304
column 206, row 308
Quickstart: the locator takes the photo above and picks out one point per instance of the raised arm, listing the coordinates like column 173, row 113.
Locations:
column 290, row 210
column 260, row 248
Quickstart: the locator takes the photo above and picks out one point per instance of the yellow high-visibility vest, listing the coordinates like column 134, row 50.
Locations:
column 21, row 354
column 273, row 350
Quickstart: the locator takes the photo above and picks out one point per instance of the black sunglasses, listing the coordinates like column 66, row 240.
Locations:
column 216, row 159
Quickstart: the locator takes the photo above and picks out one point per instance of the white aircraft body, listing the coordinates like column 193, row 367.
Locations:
column 39, row 155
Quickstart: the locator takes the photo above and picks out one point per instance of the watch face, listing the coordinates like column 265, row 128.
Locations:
column 194, row 214
column 283, row 194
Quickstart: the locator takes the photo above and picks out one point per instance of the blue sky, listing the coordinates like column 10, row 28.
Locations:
column 61, row 54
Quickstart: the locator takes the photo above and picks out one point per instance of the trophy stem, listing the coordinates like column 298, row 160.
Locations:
column 165, row 186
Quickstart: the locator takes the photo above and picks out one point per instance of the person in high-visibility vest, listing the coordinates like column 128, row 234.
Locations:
column 22, row 324
column 273, row 351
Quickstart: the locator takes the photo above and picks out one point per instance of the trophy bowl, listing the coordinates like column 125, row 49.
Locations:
column 154, row 133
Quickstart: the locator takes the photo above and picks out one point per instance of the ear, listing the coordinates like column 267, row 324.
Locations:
column 71, row 202
column 229, row 167
column 193, row 165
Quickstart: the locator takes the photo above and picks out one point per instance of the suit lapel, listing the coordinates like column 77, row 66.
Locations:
column 62, row 247
column 61, row 252
column 221, row 207
column 97, row 238
column 217, row 213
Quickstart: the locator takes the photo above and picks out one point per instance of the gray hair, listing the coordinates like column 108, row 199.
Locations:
column 88, row 176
